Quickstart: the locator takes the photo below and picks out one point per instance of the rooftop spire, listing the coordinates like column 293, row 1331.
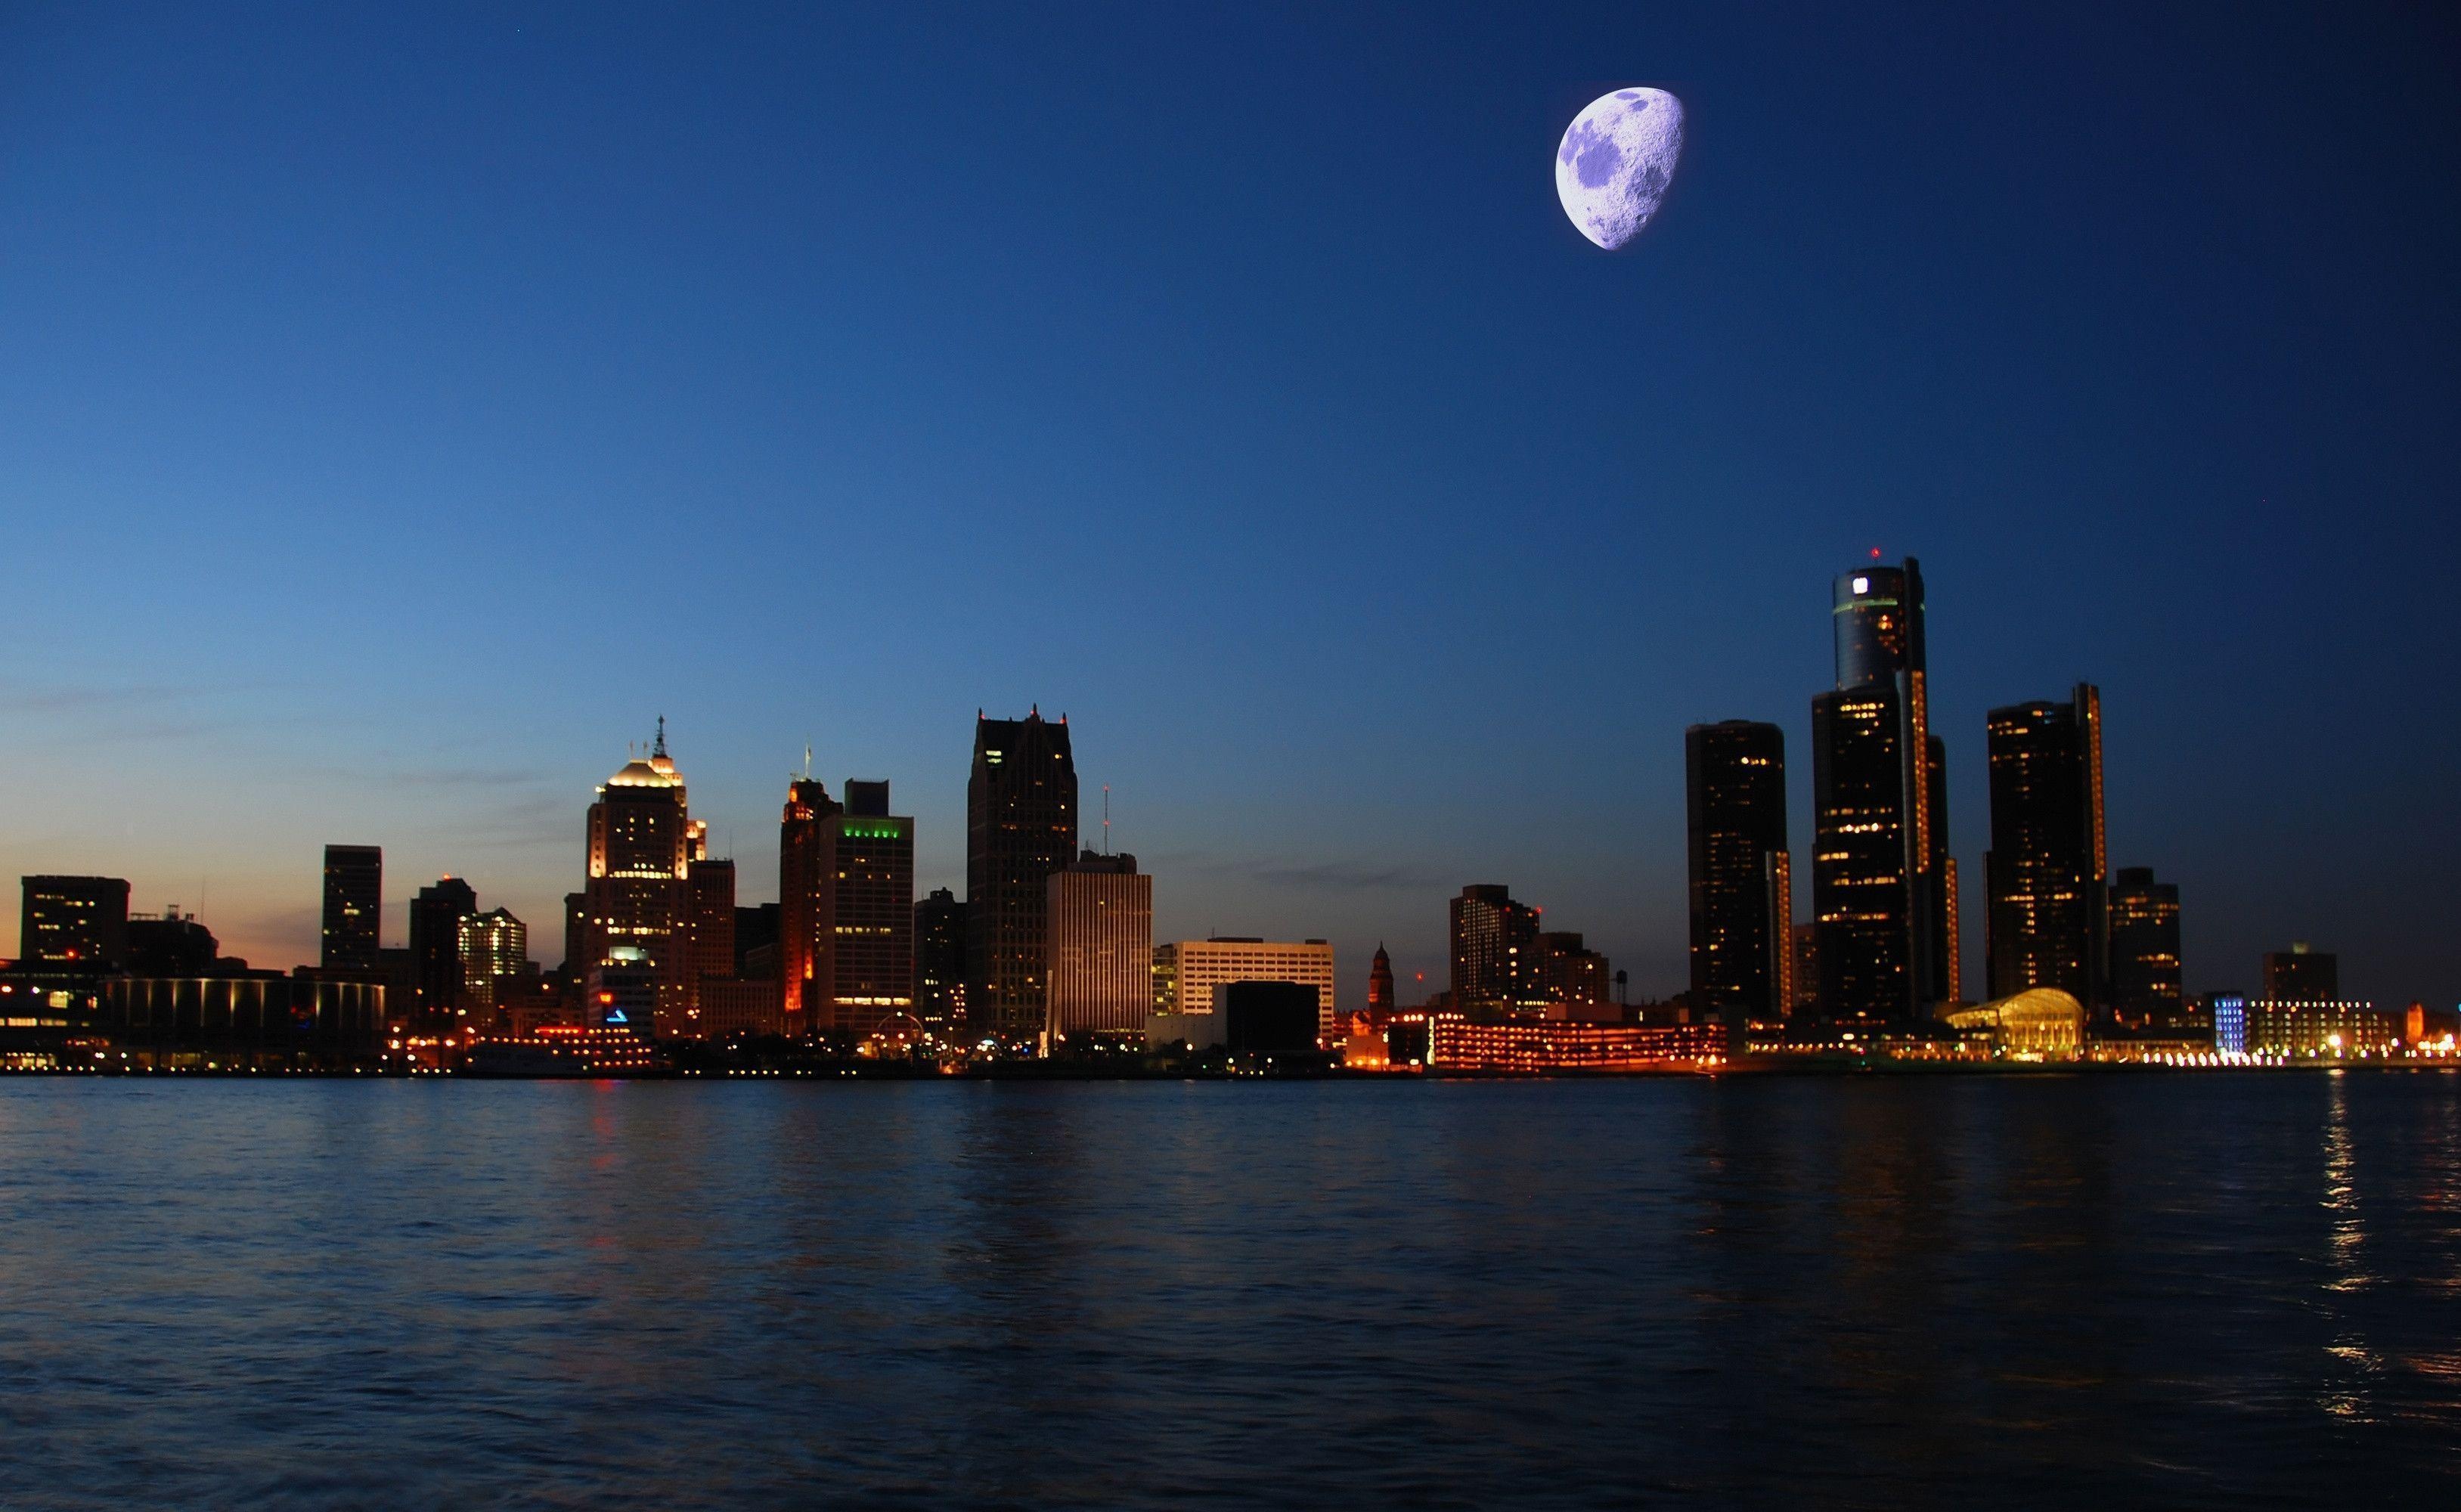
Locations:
column 660, row 749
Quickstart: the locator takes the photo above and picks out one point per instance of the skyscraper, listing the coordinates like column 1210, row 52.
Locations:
column 1741, row 907
column 1494, row 943
column 806, row 928
column 491, row 946
column 2144, row 951
column 639, row 868
column 1020, row 827
column 940, row 963
column 1099, row 913
column 871, row 865
column 1880, row 867
column 710, row 892
column 76, row 923
column 436, row 914
column 2043, row 877
column 353, row 906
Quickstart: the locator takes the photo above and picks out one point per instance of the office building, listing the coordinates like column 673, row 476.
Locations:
column 1270, row 1021
column 2322, row 1029
column 2302, row 975
column 436, row 914
column 1099, row 913
column 640, row 862
column 354, row 907
column 78, row 923
column 494, row 946
column 846, row 880
column 1189, row 973
column 1742, row 906
column 1493, row 942
column 710, row 894
column 2043, row 875
column 1020, row 827
column 175, row 944
column 1881, row 877
column 2143, row 977
column 940, row 963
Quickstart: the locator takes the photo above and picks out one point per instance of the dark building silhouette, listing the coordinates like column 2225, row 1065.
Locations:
column 710, row 891
column 79, row 924
column 576, row 934
column 1269, row 1020
column 1883, row 885
column 940, row 963
column 1740, row 886
column 1380, row 982
column 1020, row 827
column 756, row 942
column 174, row 945
column 436, row 915
column 2043, row 875
column 1494, row 946
column 354, row 907
column 2301, row 975
column 2144, row 979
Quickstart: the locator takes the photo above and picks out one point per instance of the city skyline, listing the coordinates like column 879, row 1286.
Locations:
column 327, row 320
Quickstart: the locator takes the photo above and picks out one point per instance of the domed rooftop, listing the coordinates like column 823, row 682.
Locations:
column 639, row 772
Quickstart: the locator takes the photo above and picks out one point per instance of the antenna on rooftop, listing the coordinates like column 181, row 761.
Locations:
column 1106, row 818
column 660, row 749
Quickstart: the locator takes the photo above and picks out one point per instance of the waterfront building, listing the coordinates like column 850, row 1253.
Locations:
column 639, row 868
column 806, row 928
column 2230, row 1022
column 624, row 990
column 2144, row 977
column 1455, row 1042
column 436, row 914
column 732, row 1007
column 2321, row 1028
column 1494, row 939
column 940, row 963
column 491, row 946
column 1882, row 875
column 870, row 868
column 78, row 923
column 1020, row 827
column 2042, row 1023
column 1270, row 1021
column 2044, row 874
column 260, row 1018
column 1188, row 974
column 1741, row 891
column 2300, row 974
column 353, row 910
column 1100, row 911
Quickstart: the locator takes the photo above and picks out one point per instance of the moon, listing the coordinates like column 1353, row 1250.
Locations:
column 1616, row 161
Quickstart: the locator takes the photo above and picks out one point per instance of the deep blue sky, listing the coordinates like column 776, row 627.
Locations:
column 400, row 410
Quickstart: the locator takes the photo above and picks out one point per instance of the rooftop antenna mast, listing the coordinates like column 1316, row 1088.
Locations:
column 1106, row 818
column 660, row 749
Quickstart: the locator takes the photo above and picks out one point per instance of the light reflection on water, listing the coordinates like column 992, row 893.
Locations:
column 2195, row 1289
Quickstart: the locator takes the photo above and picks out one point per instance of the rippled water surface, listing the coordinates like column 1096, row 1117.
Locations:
column 2211, row 1290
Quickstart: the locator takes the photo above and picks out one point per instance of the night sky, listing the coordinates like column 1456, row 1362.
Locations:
column 400, row 413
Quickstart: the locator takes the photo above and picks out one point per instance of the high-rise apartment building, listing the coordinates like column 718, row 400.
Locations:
column 2043, row 875
column 79, row 924
column 1742, row 906
column 436, row 914
column 1189, row 973
column 492, row 945
column 2144, row 980
column 1099, row 913
column 1882, row 875
column 354, row 907
column 1020, row 827
column 1563, row 971
column 640, row 866
column 1493, row 942
column 940, row 963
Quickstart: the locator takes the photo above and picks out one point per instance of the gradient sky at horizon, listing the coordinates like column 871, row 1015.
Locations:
column 404, row 406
